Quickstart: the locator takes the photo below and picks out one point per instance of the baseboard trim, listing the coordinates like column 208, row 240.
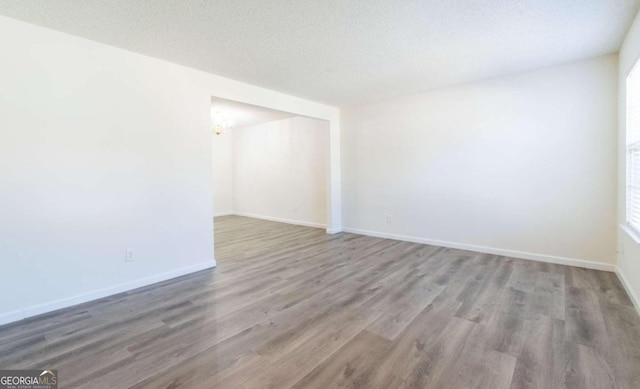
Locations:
column 281, row 220
column 490, row 250
column 634, row 298
column 223, row 214
column 334, row 230
column 101, row 293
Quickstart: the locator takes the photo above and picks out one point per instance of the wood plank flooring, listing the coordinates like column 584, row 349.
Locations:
column 293, row 307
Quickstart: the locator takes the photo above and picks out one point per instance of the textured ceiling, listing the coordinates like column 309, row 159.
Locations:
column 241, row 114
column 346, row 51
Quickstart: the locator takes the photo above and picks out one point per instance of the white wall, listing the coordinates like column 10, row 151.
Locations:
column 102, row 150
column 629, row 249
column 522, row 165
column 222, row 170
column 280, row 170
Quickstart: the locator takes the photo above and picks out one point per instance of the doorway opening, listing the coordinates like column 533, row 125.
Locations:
column 267, row 166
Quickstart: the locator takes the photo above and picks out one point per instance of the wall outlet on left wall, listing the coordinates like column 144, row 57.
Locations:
column 129, row 255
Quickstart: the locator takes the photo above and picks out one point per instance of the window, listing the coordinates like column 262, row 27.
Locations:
column 633, row 149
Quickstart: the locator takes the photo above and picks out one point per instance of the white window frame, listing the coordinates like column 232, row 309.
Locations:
column 632, row 144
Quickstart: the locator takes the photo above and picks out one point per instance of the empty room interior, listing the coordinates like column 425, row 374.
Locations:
column 320, row 194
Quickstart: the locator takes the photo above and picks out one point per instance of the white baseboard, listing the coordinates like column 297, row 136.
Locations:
column 634, row 298
column 11, row 317
column 223, row 214
column 490, row 250
column 98, row 294
column 334, row 230
column 281, row 220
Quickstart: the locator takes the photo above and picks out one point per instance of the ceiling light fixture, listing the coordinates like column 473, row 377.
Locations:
column 219, row 124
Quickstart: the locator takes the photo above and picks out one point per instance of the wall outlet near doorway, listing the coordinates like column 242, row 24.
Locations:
column 389, row 219
column 129, row 255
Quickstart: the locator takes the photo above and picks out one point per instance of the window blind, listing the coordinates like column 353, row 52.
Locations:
column 633, row 149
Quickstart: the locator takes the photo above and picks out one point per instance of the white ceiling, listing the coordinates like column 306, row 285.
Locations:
column 241, row 114
column 346, row 51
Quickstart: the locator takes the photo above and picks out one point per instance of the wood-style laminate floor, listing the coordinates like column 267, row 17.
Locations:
column 293, row 307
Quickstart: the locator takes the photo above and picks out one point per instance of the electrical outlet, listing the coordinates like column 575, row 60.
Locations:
column 129, row 255
column 389, row 219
